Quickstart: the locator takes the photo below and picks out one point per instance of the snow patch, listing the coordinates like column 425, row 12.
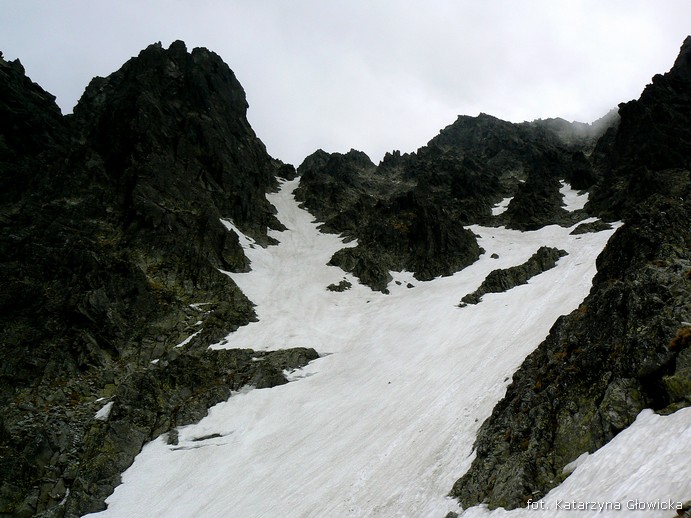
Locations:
column 198, row 305
column 572, row 199
column 501, row 207
column 104, row 412
column 188, row 339
column 644, row 466
column 297, row 374
column 403, row 278
column 64, row 499
column 571, row 466
column 245, row 240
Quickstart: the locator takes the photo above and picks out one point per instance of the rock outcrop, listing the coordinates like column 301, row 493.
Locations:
column 593, row 226
column 111, row 248
column 498, row 281
column 626, row 347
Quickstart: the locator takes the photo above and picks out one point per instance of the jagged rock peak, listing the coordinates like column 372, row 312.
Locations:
column 181, row 116
column 649, row 150
column 30, row 124
column 354, row 155
column 200, row 78
column 681, row 69
column 682, row 65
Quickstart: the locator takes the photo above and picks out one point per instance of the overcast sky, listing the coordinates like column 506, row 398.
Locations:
column 374, row 75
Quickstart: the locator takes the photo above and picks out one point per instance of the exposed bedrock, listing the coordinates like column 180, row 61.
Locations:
column 624, row 349
column 627, row 346
column 501, row 280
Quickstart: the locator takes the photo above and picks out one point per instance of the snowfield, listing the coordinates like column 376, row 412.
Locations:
column 383, row 423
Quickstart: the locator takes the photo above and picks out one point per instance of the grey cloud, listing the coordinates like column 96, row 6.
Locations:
column 375, row 75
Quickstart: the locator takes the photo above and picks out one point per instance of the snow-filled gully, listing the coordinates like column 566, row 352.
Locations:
column 384, row 422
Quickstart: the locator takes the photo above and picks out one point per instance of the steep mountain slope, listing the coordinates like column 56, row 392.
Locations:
column 626, row 347
column 111, row 244
column 637, row 171
column 137, row 232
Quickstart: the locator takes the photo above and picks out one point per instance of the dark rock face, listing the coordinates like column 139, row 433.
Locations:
column 396, row 227
column 406, row 233
column 407, row 212
column 340, row 287
column 650, row 151
column 502, row 280
column 175, row 391
column 175, row 122
column 598, row 367
column 595, row 226
column 31, row 125
column 110, row 247
column 626, row 347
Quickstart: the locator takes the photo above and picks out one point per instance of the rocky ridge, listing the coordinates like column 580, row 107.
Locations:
column 626, row 347
column 111, row 246
column 407, row 213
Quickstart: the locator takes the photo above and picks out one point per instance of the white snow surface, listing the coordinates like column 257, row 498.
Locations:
column 104, row 413
column 383, row 423
column 501, row 207
column 573, row 200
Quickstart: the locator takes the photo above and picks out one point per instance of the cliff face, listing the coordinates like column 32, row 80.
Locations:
column 626, row 347
column 110, row 246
